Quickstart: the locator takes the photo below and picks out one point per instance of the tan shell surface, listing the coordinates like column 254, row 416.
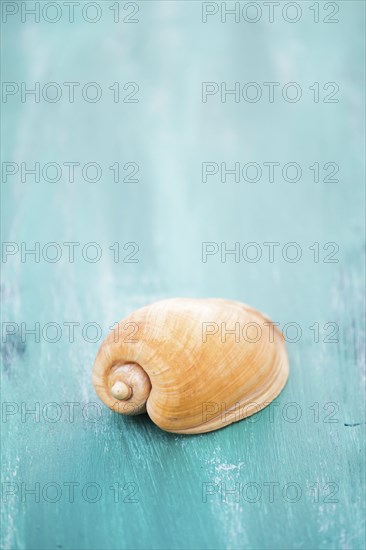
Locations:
column 187, row 379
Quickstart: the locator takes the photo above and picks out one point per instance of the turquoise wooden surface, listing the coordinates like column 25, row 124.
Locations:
column 298, row 466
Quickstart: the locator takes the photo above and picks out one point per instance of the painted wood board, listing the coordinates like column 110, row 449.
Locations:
column 289, row 477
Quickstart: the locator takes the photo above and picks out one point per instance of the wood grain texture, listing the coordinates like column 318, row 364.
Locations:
column 160, row 490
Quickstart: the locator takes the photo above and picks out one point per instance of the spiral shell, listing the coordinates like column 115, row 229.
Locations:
column 195, row 365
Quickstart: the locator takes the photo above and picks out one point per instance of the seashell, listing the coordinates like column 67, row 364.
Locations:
column 195, row 365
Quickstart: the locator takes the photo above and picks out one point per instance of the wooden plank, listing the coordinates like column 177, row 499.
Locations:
column 298, row 466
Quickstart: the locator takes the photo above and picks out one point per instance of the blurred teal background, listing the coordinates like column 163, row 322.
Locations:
column 169, row 213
